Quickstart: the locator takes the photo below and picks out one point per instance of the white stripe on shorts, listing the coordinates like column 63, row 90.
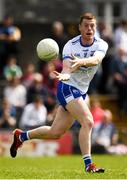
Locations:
column 69, row 99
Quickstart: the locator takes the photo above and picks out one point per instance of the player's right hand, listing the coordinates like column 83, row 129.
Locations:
column 61, row 76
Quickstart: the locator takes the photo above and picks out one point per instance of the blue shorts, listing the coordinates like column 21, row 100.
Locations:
column 66, row 93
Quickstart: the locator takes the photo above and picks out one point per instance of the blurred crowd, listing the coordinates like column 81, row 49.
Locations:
column 27, row 98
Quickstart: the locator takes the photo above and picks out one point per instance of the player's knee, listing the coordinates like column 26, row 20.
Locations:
column 89, row 121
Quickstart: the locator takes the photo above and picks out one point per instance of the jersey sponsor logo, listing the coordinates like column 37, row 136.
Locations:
column 77, row 54
column 92, row 53
column 85, row 50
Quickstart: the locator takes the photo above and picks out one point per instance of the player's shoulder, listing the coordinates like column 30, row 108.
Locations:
column 74, row 40
column 100, row 41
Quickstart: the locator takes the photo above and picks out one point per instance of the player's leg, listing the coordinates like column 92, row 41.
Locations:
column 80, row 111
column 62, row 122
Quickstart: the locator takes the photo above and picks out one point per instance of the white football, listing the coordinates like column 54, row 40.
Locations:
column 47, row 49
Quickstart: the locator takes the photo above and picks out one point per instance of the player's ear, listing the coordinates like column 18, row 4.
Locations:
column 79, row 26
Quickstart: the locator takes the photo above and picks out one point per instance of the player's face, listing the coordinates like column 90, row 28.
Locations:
column 87, row 29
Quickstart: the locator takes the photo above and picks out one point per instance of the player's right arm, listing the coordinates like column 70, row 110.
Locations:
column 66, row 71
column 65, row 74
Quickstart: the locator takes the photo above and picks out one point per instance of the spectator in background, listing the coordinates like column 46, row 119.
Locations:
column 119, row 66
column 50, row 102
column 97, row 111
column 49, row 79
column 120, row 39
column 106, row 78
column 11, row 69
column 120, row 80
column 34, row 114
column 7, row 115
column 51, row 115
column 105, row 135
column 28, row 75
column 10, row 36
column 37, row 88
column 59, row 35
column 15, row 93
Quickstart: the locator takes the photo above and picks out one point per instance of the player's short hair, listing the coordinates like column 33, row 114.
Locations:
column 88, row 16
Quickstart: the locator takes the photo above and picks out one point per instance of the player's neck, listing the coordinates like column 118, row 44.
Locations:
column 87, row 41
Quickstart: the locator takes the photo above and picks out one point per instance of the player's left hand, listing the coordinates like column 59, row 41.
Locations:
column 75, row 63
column 61, row 76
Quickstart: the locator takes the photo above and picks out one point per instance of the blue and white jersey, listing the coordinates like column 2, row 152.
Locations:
column 82, row 77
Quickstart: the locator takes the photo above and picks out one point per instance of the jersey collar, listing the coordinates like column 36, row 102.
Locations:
column 87, row 45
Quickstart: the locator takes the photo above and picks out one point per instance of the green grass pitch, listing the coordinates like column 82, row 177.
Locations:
column 61, row 167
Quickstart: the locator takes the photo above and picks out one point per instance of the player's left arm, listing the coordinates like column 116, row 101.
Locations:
column 90, row 61
column 87, row 62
